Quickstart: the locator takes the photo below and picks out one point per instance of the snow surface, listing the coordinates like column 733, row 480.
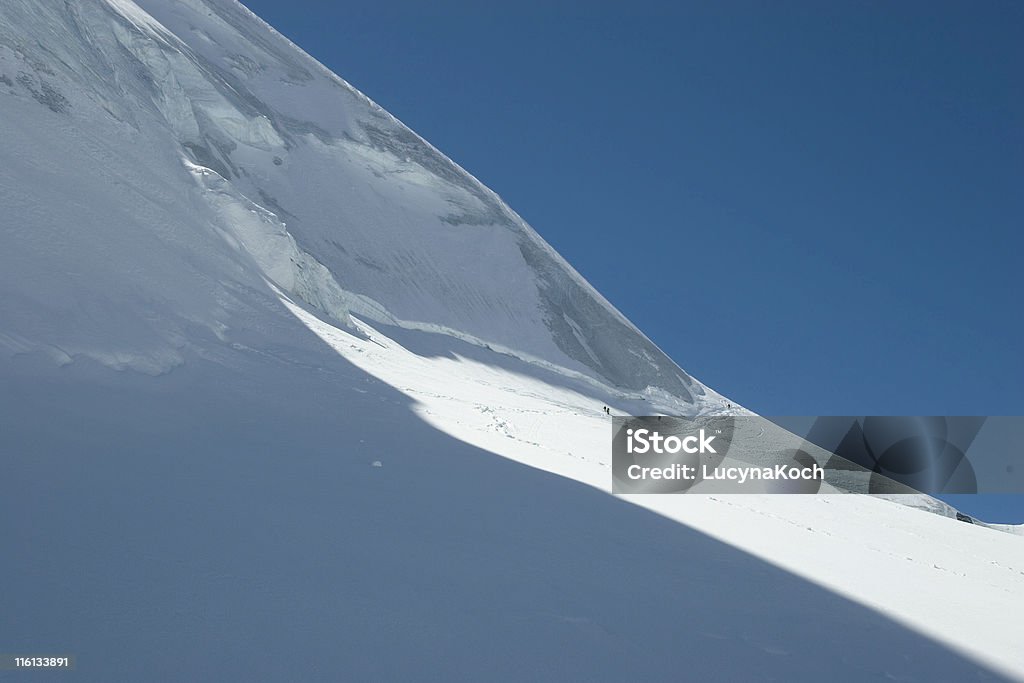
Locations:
column 411, row 237
column 260, row 345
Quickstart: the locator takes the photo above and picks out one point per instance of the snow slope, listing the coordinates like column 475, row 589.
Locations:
column 392, row 229
column 959, row 583
column 229, row 284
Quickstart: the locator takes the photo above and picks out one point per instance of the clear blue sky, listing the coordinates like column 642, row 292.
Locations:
column 813, row 207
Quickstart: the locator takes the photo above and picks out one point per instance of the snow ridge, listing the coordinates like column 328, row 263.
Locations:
column 399, row 226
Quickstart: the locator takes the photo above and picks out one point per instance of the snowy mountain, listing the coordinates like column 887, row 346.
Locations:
column 281, row 162
column 260, row 346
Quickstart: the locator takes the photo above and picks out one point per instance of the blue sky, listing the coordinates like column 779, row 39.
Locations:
column 815, row 208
